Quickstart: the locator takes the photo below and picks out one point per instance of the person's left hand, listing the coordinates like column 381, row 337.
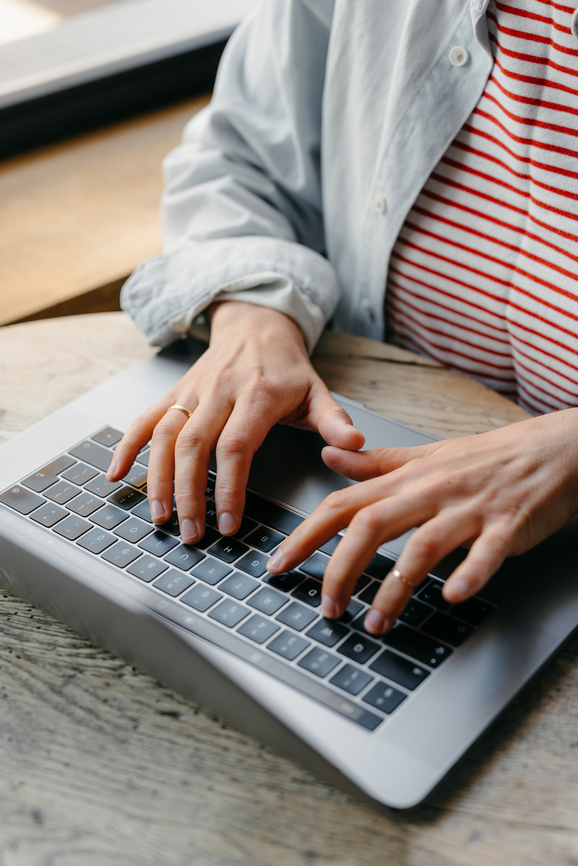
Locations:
column 499, row 493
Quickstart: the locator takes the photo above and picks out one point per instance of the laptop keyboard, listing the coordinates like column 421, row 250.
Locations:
column 272, row 621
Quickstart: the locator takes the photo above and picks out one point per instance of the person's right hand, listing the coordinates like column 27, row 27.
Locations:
column 255, row 373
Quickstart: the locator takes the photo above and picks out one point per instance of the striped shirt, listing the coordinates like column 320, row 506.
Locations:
column 484, row 273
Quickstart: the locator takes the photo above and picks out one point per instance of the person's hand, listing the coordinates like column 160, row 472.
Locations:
column 498, row 493
column 255, row 373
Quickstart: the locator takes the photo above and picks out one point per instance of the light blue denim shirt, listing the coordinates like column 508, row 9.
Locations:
column 290, row 188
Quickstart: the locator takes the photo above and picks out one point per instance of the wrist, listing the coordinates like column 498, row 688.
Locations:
column 252, row 320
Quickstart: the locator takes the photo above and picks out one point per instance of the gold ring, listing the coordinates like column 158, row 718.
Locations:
column 181, row 409
column 397, row 573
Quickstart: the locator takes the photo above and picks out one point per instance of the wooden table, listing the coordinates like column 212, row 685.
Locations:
column 100, row 765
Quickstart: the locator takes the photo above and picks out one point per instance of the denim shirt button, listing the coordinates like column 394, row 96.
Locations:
column 380, row 204
column 574, row 24
column 367, row 307
column 458, row 56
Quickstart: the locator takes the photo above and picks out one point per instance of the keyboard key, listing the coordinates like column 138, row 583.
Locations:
column 136, row 477
column 351, row 679
column 448, row 629
column 278, row 518
column 358, row 648
column 315, row 566
column 297, row 616
column 126, row 498
column 211, row 571
column 285, row 582
column 319, row 662
column 309, row 592
column 229, row 613
column 210, row 537
column 211, row 514
column 253, row 563
column 258, row 629
column 328, row 632
column 80, row 473
column 380, row 566
column 101, row 486
column 147, row 568
column 48, row 475
column 473, row 611
column 109, row 436
column 109, row 516
column 362, row 582
column 210, row 489
column 184, row 556
column 144, row 456
column 134, row 530
column 384, row 697
column 359, row 623
column 158, row 543
column 143, row 511
column 247, row 525
column 228, row 549
column 267, row 601
column 239, row 585
column 399, row 670
column 121, row 554
column 432, row 594
column 330, row 546
column 72, row 527
column 62, row 492
column 416, row 645
column 351, row 611
column 415, row 612
column 85, row 504
column 288, row 645
column 49, row 514
column 91, row 452
column 174, row 582
column 265, row 539
column 201, row 597
column 21, row 500
column 369, row 592
column 96, row 540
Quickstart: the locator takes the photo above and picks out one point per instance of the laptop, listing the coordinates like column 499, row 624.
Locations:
column 384, row 718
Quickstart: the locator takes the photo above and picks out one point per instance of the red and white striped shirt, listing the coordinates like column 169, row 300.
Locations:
column 484, row 275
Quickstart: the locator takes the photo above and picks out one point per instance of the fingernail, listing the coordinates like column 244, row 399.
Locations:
column 328, row 607
column 227, row 524
column 457, row 590
column 276, row 562
column 189, row 530
column 157, row 510
column 375, row 623
column 111, row 469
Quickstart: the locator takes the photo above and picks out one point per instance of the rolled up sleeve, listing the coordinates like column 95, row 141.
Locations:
column 242, row 210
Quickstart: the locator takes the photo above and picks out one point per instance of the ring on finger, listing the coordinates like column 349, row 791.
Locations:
column 397, row 573
column 182, row 409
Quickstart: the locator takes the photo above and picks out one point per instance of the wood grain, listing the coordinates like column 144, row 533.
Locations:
column 81, row 214
column 101, row 765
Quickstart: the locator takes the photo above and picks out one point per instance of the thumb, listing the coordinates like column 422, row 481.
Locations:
column 363, row 465
column 331, row 421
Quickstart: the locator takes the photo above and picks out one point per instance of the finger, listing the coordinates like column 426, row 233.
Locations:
column 362, row 465
column 485, row 557
column 192, row 451
column 161, row 468
column 335, row 512
column 136, row 437
column 377, row 523
column 332, row 421
column 242, row 435
column 426, row 547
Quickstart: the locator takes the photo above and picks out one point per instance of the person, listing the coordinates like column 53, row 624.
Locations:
column 403, row 170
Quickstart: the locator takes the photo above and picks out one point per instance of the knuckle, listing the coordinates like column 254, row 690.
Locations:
column 163, row 430
column 369, row 520
column 338, row 500
column 425, row 546
column 190, row 438
column 232, row 444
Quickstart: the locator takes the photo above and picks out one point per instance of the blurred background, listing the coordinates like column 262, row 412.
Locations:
column 93, row 93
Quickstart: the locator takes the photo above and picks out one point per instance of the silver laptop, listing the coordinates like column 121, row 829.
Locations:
column 386, row 718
